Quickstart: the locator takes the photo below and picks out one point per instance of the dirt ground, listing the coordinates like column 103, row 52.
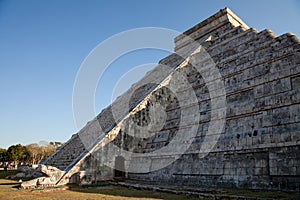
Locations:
column 9, row 189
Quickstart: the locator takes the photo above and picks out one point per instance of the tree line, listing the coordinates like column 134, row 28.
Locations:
column 29, row 154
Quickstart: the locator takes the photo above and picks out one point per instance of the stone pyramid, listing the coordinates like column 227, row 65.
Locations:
column 224, row 112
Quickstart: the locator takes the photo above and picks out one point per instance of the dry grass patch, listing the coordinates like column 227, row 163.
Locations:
column 9, row 190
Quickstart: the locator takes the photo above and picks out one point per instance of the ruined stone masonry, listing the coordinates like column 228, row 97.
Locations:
column 259, row 146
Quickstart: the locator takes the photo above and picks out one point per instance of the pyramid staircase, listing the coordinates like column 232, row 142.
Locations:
column 82, row 144
column 219, row 29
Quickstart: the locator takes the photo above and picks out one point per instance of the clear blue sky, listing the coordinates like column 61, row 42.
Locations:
column 43, row 43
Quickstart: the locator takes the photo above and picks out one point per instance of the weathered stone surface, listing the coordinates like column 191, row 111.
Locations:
column 51, row 176
column 259, row 145
column 25, row 172
column 50, row 171
column 29, row 184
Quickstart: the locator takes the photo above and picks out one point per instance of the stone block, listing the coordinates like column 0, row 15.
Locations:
column 261, row 135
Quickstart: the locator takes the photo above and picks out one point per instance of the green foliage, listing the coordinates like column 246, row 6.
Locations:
column 32, row 153
column 4, row 155
column 18, row 153
column 56, row 144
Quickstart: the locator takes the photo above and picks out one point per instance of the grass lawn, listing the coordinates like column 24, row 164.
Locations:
column 9, row 190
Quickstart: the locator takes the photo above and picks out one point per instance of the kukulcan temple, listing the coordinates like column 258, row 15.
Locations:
column 223, row 110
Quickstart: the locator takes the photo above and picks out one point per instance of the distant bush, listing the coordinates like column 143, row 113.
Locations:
column 29, row 154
